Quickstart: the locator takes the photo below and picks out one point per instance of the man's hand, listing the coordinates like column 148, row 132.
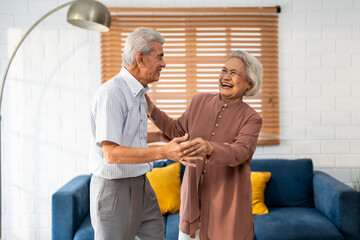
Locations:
column 175, row 151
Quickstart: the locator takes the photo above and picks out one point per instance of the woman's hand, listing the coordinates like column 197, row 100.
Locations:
column 175, row 150
column 202, row 149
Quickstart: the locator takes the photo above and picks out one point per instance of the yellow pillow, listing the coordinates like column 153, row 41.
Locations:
column 258, row 183
column 166, row 183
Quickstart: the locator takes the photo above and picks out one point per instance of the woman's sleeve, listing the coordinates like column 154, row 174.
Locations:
column 242, row 149
column 170, row 127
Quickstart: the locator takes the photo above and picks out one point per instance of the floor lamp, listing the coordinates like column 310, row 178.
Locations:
column 88, row 14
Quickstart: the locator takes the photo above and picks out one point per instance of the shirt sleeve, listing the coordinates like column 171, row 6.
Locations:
column 110, row 116
column 243, row 147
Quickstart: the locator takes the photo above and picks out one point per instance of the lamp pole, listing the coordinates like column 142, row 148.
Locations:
column 88, row 14
column 20, row 42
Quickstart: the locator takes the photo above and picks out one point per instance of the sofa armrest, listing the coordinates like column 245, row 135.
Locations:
column 70, row 204
column 338, row 202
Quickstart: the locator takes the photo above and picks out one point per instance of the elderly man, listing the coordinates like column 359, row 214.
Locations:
column 123, row 204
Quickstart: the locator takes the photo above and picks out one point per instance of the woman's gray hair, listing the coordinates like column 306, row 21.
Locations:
column 254, row 70
column 139, row 41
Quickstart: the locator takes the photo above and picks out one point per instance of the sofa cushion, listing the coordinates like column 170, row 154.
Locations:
column 163, row 163
column 172, row 227
column 85, row 231
column 290, row 183
column 258, row 184
column 289, row 223
column 166, row 183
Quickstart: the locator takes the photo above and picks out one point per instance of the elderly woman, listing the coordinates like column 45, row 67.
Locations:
column 216, row 200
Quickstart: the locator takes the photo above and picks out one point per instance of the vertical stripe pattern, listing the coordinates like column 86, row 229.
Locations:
column 118, row 114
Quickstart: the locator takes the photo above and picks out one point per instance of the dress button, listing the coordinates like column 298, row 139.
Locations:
column 225, row 105
column 216, row 125
column 204, row 171
column 223, row 109
column 206, row 162
column 220, row 116
column 213, row 134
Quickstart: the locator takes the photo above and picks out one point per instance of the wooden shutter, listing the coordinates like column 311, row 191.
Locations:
column 197, row 43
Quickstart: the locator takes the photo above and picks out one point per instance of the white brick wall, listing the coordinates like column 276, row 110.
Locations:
column 57, row 70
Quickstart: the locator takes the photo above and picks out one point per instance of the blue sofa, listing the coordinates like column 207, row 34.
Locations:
column 303, row 204
column 71, row 216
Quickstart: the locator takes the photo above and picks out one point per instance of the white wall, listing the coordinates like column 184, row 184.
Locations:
column 57, row 69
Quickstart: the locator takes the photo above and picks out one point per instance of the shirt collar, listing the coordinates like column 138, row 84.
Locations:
column 134, row 85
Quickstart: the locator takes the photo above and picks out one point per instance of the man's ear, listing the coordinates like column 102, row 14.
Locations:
column 140, row 59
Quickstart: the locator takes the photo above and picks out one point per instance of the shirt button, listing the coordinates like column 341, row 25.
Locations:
column 225, row 105
column 223, row 109
column 206, row 162
column 216, row 125
column 213, row 134
column 204, row 171
column 220, row 116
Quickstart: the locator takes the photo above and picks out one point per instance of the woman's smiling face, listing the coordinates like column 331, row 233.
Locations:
column 233, row 81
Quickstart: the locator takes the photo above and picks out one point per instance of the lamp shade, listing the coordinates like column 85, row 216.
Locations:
column 89, row 14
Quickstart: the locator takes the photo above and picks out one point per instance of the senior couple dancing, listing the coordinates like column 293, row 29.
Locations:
column 218, row 133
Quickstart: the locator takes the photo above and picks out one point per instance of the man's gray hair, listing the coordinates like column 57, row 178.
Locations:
column 254, row 70
column 140, row 41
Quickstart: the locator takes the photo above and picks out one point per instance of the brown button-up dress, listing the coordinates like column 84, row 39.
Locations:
column 225, row 208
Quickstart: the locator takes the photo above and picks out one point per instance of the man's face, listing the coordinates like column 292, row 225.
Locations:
column 153, row 64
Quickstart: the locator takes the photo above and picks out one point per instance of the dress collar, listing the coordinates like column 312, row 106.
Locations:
column 222, row 103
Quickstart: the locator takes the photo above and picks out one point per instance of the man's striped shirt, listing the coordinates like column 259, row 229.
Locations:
column 118, row 114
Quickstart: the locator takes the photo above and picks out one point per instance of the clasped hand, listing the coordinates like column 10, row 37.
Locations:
column 185, row 152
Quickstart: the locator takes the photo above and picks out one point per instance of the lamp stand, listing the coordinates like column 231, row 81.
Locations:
column 97, row 11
